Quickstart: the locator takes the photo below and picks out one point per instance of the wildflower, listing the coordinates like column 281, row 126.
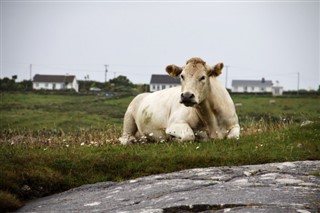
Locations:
column 151, row 134
column 82, row 144
column 67, row 145
column 197, row 147
column 25, row 188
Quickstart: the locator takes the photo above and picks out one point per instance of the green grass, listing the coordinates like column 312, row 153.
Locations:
column 290, row 108
column 51, row 143
column 70, row 113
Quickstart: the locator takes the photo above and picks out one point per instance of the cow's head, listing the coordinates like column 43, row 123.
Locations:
column 194, row 77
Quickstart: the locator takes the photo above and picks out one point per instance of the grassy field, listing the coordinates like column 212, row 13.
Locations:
column 69, row 113
column 51, row 143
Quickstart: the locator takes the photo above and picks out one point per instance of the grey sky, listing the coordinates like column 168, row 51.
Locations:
column 256, row 39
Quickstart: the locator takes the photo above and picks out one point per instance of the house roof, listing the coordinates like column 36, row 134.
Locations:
column 164, row 79
column 54, row 78
column 252, row 83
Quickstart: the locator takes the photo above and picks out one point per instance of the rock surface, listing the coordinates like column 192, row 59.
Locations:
column 276, row 187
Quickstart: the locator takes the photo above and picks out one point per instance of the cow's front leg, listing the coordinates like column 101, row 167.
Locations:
column 182, row 131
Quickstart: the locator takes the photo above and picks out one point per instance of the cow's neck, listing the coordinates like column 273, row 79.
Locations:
column 209, row 111
column 205, row 112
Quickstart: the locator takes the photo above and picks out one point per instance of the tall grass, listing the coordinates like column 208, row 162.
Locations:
column 37, row 168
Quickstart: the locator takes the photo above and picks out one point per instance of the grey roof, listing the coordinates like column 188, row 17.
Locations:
column 53, row 78
column 251, row 83
column 164, row 79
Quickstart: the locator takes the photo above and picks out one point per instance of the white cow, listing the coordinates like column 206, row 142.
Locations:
column 200, row 108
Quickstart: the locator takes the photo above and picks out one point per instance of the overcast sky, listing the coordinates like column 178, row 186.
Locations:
column 136, row 39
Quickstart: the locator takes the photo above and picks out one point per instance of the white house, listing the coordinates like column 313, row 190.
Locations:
column 159, row 82
column 277, row 90
column 55, row 82
column 252, row 86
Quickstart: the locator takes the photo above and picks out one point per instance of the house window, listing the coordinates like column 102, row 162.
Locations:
column 37, row 85
column 46, row 85
column 262, row 89
column 163, row 86
column 245, row 89
column 158, row 87
column 153, row 87
column 252, row 88
column 53, row 86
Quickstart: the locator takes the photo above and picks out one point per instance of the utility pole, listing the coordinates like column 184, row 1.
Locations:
column 298, row 83
column 30, row 72
column 226, row 84
column 106, row 66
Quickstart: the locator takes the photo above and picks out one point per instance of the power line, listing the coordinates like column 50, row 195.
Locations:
column 30, row 72
column 106, row 66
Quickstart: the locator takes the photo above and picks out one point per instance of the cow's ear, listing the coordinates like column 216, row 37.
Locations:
column 215, row 70
column 173, row 70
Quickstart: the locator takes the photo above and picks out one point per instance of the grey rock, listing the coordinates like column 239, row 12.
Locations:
column 275, row 187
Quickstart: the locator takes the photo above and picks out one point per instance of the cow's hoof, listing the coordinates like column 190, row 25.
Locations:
column 127, row 140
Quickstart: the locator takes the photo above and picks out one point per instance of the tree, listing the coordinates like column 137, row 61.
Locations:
column 121, row 81
column 7, row 84
column 25, row 85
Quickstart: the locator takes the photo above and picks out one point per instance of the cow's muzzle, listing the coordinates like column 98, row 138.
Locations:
column 188, row 99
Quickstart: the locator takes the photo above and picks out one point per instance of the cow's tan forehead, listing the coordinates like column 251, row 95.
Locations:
column 194, row 68
column 196, row 60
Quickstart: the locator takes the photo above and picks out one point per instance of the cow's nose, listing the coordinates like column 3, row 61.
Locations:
column 187, row 96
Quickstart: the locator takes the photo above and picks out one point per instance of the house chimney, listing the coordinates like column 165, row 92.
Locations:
column 263, row 80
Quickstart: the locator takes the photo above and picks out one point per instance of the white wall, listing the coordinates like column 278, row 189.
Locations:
column 50, row 86
column 156, row 87
column 251, row 89
column 57, row 86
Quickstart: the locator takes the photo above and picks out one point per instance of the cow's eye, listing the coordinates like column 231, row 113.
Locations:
column 182, row 77
column 202, row 78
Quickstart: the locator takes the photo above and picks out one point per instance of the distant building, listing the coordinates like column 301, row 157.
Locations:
column 277, row 90
column 95, row 89
column 160, row 82
column 251, row 86
column 55, row 82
